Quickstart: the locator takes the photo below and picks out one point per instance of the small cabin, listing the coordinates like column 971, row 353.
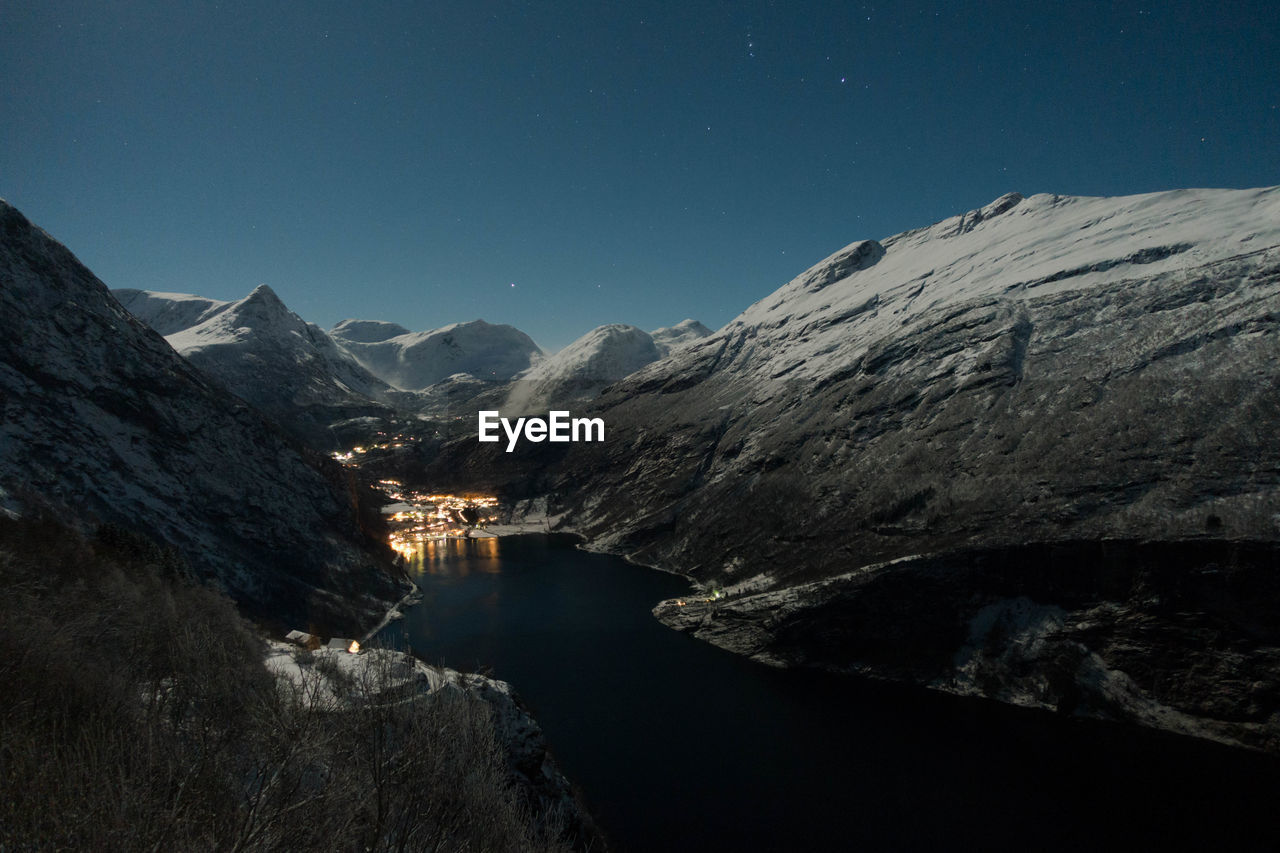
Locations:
column 302, row 638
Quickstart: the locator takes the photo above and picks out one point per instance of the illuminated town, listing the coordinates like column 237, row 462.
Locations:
column 418, row 517
column 425, row 525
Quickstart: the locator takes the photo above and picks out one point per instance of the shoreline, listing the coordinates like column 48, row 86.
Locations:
column 394, row 613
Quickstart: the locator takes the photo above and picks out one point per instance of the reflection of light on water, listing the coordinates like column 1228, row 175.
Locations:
column 438, row 556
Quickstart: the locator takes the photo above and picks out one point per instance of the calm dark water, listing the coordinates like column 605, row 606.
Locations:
column 678, row 745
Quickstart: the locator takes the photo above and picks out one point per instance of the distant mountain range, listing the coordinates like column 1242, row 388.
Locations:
column 266, row 354
column 413, row 361
column 308, row 380
column 1026, row 453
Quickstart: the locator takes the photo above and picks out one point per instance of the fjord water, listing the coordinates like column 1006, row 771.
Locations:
column 678, row 745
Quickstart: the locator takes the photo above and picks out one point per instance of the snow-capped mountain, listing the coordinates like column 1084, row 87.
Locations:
column 921, row 447
column 668, row 339
column 105, row 422
column 267, row 354
column 578, row 372
column 413, row 361
column 169, row 313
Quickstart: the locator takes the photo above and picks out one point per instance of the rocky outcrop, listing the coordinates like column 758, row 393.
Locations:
column 104, row 422
column 1040, row 371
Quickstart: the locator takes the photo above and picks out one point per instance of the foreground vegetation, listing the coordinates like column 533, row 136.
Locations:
column 139, row 716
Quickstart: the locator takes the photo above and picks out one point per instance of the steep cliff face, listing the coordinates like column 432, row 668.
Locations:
column 1040, row 370
column 266, row 354
column 104, row 421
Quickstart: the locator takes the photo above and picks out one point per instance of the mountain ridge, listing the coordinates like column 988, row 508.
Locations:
column 413, row 361
column 268, row 355
column 1040, row 370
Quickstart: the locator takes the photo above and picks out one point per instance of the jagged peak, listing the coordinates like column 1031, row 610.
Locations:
column 261, row 305
column 263, row 294
column 1002, row 204
column 10, row 213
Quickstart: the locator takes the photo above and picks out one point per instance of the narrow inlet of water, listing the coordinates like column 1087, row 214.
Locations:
column 679, row 745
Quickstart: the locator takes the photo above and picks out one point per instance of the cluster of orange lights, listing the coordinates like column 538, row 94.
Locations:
column 432, row 517
column 382, row 442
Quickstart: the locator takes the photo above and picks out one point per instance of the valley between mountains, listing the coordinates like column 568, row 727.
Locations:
column 1030, row 453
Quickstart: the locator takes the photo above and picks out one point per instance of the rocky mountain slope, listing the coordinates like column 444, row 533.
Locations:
column 412, row 361
column 921, row 458
column 579, row 371
column 105, row 422
column 266, row 354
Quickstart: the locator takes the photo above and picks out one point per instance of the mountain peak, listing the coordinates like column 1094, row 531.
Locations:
column 668, row 339
column 263, row 352
column 579, row 371
column 261, row 307
column 263, row 295
column 416, row 360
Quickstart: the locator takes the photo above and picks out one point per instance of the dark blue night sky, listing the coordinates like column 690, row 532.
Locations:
column 617, row 162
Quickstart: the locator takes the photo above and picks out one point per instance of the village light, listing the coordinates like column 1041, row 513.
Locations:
column 354, row 648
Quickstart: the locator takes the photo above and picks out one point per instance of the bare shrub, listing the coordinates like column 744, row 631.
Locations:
column 140, row 717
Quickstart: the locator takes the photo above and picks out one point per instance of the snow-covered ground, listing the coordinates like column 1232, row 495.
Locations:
column 371, row 672
column 338, row 680
column 1015, row 248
